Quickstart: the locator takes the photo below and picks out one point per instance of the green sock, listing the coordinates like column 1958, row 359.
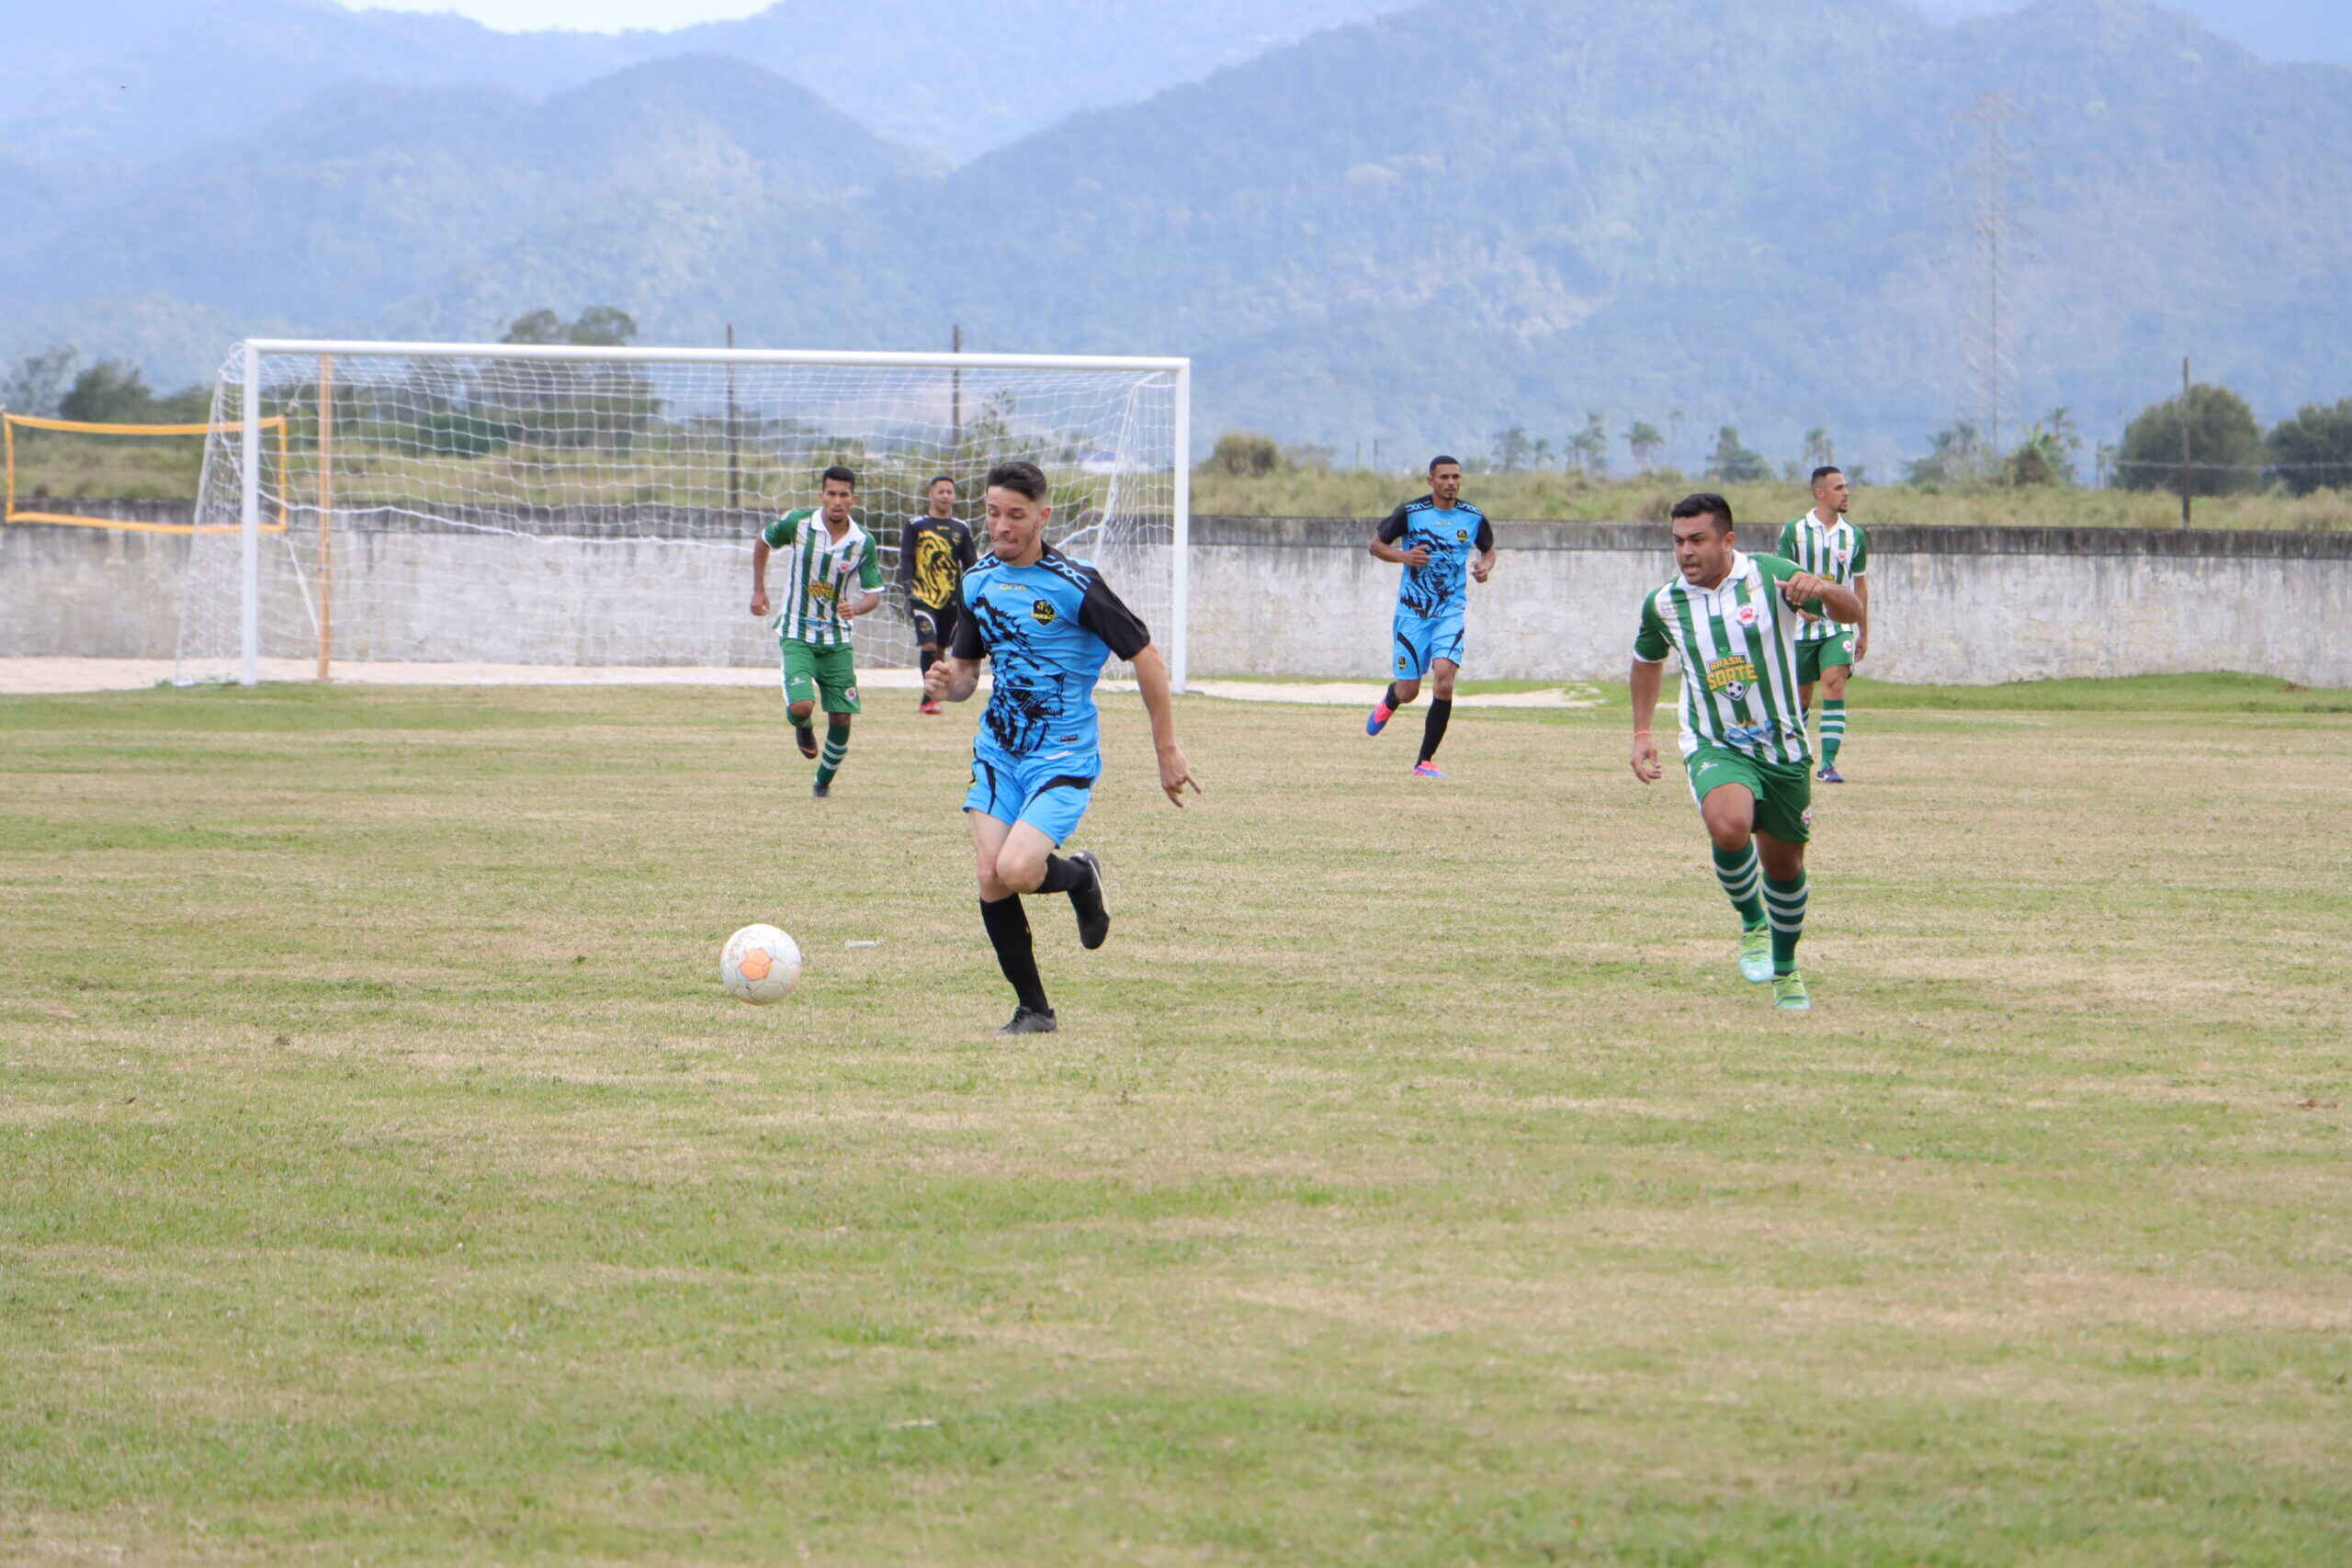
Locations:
column 1737, row 871
column 1786, row 901
column 1833, row 729
column 829, row 760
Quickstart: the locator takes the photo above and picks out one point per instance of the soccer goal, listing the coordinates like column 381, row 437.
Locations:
column 555, row 507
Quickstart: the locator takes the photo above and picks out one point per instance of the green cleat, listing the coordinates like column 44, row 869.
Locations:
column 1788, row 994
column 1756, row 954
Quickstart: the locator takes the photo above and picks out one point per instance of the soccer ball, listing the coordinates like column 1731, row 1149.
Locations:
column 759, row 964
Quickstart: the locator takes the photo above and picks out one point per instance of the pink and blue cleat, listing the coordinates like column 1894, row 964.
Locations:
column 1428, row 770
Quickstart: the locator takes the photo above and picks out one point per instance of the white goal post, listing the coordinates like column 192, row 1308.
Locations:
column 555, row 506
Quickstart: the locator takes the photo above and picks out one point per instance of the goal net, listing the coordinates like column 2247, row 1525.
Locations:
column 557, row 509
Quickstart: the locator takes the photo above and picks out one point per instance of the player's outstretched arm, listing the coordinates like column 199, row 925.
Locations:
column 1644, row 684
column 1152, row 679
column 952, row 678
column 759, row 577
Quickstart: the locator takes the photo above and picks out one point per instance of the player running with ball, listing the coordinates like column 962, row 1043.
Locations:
column 1046, row 623
column 1731, row 618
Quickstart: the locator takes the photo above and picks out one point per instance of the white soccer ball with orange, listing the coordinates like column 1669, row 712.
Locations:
column 759, row 964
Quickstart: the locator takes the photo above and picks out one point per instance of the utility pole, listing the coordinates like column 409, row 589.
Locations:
column 734, row 466
column 2184, row 441
column 955, row 396
column 1987, row 351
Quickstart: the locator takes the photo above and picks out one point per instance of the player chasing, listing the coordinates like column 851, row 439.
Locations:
column 1046, row 623
column 1430, row 538
column 1824, row 543
column 934, row 552
column 827, row 552
column 1732, row 619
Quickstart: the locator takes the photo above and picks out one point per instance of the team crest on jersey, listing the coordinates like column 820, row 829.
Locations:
column 1043, row 611
column 1730, row 676
column 1746, row 615
column 1462, row 535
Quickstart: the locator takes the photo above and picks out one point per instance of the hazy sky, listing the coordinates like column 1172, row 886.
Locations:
column 2278, row 29
column 584, row 15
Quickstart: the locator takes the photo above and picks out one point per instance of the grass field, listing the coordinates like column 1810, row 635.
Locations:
column 384, row 1178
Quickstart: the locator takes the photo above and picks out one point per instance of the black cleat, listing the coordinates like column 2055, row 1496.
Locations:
column 821, row 792
column 1029, row 1020
column 1093, row 914
column 808, row 741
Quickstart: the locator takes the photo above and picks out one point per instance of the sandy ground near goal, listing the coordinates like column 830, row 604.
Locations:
column 22, row 677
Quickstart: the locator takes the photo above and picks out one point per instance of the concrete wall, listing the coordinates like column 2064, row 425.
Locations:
column 1270, row 596
column 1962, row 605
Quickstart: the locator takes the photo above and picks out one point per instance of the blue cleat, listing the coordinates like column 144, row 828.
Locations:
column 1829, row 774
column 1375, row 721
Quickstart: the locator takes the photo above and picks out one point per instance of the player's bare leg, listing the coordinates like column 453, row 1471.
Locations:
column 804, row 736
column 1442, row 674
column 1026, row 863
column 1729, row 814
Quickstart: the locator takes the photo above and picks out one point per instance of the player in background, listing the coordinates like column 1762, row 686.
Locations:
column 1046, row 623
column 1731, row 618
column 1824, row 543
column 1430, row 538
column 935, row 551
column 830, row 577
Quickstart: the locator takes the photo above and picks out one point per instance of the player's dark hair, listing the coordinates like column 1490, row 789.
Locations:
column 1823, row 471
column 1441, row 461
column 1021, row 476
column 837, row 472
column 940, row 480
column 1705, row 504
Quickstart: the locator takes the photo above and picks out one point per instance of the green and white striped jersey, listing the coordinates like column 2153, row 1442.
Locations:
column 1737, row 643
column 1838, row 552
column 817, row 573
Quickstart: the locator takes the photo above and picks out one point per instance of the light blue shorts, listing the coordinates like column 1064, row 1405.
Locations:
column 1422, row 641
column 1050, row 795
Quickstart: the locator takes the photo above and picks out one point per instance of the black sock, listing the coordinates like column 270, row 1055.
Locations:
column 1433, row 727
column 1015, row 955
column 927, row 658
column 1390, row 702
column 1061, row 875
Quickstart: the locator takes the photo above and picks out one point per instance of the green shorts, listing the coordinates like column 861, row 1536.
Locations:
column 812, row 671
column 1812, row 658
column 1783, row 793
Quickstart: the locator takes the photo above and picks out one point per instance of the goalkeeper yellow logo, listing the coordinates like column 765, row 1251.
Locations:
column 1731, row 675
column 935, row 573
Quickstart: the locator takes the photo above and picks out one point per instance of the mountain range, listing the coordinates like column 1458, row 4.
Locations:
column 1414, row 228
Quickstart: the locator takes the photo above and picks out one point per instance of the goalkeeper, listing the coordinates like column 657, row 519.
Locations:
column 934, row 552
column 826, row 552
